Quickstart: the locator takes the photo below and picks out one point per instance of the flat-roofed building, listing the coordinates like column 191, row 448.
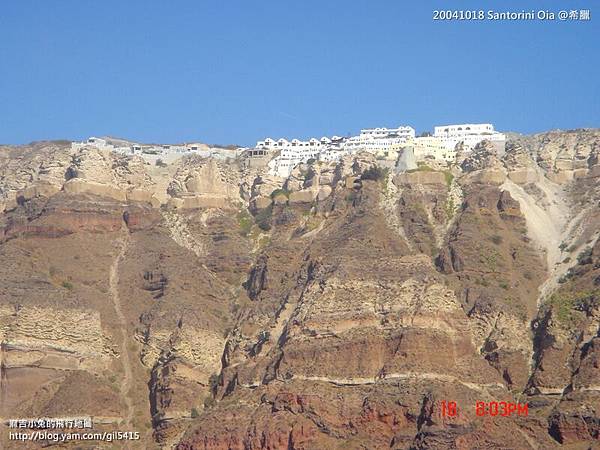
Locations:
column 469, row 134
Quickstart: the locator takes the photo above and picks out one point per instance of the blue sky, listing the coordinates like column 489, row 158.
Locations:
column 236, row 71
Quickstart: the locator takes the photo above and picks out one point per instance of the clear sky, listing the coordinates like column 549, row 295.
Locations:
column 234, row 71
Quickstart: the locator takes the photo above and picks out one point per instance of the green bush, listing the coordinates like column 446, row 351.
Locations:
column 281, row 191
column 263, row 218
column 567, row 276
column 374, row 173
column 245, row 222
column 565, row 304
column 449, row 208
column 67, row 285
column 585, row 257
column 213, row 381
column 421, row 167
column 449, row 177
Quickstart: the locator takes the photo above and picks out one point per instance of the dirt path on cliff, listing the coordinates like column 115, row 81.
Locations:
column 544, row 223
column 126, row 385
column 548, row 225
column 388, row 203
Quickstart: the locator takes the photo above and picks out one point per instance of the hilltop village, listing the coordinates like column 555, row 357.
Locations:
column 393, row 147
column 234, row 305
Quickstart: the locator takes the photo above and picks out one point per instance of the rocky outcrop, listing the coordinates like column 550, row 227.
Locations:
column 520, row 165
column 78, row 186
column 53, row 339
column 420, row 177
column 202, row 183
column 336, row 309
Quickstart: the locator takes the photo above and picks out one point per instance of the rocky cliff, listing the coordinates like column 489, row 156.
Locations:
column 209, row 305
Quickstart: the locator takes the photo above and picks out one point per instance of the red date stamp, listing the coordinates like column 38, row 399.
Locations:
column 482, row 409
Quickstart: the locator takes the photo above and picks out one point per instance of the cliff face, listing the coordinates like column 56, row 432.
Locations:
column 210, row 306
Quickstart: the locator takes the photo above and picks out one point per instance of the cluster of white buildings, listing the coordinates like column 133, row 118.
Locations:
column 283, row 155
column 385, row 143
column 157, row 150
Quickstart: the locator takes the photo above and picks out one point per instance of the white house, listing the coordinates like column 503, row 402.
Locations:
column 380, row 140
column 92, row 142
column 384, row 141
column 432, row 147
column 291, row 153
column 470, row 134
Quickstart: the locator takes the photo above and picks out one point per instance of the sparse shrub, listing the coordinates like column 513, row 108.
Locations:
column 160, row 163
column 561, row 308
column 482, row 282
column 585, row 257
column 67, row 285
column 503, row 284
column 587, row 300
column 209, row 402
column 449, row 207
column 449, row 177
column 423, row 167
column 374, row 173
column 563, row 246
column 281, row 191
column 285, row 216
column 264, row 241
column 566, row 304
column 194, row 413
column 244, row 222
column 490, row 260
column 564, row 278
column 213, row 382
column 263, row 218
column 496, row 239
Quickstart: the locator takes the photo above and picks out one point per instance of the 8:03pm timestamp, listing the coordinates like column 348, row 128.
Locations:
column 490, row 408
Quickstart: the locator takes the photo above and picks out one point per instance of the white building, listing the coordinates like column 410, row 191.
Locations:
column 92, row 142
column 404, row 132
column 380, row 140
column 427, row 147
column 290, row 153
column 334, row 150
column 470, row 134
